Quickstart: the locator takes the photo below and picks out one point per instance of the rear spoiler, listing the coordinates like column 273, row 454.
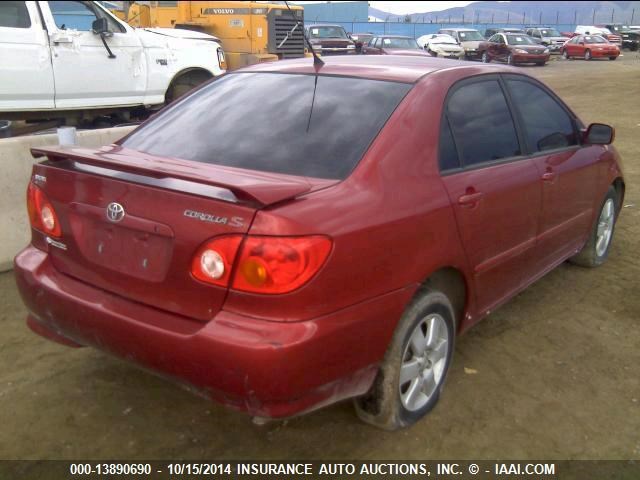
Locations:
column 248, row 186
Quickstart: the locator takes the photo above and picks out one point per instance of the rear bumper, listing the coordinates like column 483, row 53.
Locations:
column 268, row 369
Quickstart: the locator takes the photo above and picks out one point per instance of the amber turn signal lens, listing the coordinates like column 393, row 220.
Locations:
column 279, row 264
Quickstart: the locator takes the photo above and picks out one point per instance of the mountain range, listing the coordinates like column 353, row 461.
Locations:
column 529, row 12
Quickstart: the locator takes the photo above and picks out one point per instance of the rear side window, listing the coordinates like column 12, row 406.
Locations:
column 547, row 125
column 481, row 123
column 14, row 15
column 294, row 124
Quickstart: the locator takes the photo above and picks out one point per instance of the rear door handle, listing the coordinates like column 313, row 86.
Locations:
column 470, row 199
column 548, row 177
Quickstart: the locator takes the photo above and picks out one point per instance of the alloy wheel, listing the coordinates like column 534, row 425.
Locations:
column 423, row 362
column 605, row 227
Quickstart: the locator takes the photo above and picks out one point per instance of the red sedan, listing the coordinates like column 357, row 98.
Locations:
column 513, row 49
column 320, row 258
column 590, row 46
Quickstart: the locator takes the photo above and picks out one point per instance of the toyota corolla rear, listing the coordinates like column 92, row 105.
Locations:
column 192, row 247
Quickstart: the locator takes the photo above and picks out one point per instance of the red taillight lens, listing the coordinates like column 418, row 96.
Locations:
column 213, row 261
column 279, row 264
column 42, row 216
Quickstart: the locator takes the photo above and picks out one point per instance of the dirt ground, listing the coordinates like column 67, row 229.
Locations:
column 557, row 368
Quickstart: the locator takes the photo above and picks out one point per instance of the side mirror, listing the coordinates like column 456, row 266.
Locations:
column 100, row 26
column 599, row 134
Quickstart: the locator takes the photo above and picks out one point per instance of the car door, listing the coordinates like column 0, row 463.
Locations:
column 567, row 172
column 85, row 75
column 375, row 47
column 577, row 47
column 26, row 75
column 492, row 46
column 501, row 48
column 493, row 187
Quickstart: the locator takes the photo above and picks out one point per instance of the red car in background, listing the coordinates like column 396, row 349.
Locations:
column 513, row 48
column 324, row 258
column 588, row 47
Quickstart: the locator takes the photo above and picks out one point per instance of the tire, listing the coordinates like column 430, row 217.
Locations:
column 510, row 60
column 612, row 58
column 587, row 54
column 185, row 83
column 432, row 53
column 594, row 253
column 485, row 57
column 565, row 54
column 399, row 396
column 540, row 64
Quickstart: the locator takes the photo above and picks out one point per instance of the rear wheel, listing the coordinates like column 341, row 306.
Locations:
column 596, row 250
column 485, row 57
column 587, row 55
column 415, row 366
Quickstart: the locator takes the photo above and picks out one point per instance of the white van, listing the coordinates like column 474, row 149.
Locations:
column 61, row 56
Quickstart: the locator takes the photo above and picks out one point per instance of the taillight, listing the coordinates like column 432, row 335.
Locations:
column 263, row 265
column 279, row 264
column 221, row 60
column 213, row 261
column 42, row 216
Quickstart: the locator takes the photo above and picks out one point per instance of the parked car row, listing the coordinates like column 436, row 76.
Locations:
column 510, row 45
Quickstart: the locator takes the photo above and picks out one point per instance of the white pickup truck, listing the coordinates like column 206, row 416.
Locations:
column 58, row 57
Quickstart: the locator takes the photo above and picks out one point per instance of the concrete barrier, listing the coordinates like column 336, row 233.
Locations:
column 15, row 171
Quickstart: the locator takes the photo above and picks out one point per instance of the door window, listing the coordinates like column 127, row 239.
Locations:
column 547, row 124
column 482, row 124
column 14, row 15
column 79, row 16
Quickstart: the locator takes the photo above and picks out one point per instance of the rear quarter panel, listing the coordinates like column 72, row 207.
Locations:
column 391, row 221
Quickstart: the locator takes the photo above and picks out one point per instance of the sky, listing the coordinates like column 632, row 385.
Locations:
column 401, row 8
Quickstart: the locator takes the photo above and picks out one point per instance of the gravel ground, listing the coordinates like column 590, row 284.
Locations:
column 553, row 374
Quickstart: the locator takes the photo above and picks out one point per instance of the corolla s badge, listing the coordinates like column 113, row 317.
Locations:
column 115, row 212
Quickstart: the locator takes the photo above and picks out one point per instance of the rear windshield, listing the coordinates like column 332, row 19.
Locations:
column 306, row 125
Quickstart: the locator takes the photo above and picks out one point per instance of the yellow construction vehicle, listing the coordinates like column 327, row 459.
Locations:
column 250, row 32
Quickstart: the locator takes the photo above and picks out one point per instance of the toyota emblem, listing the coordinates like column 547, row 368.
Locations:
column 115, row 212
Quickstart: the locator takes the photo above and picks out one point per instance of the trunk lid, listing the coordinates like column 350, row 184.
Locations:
column 131, row 222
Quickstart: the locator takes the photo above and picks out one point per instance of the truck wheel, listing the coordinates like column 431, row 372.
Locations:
column 415, row 366
column 185, row 83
